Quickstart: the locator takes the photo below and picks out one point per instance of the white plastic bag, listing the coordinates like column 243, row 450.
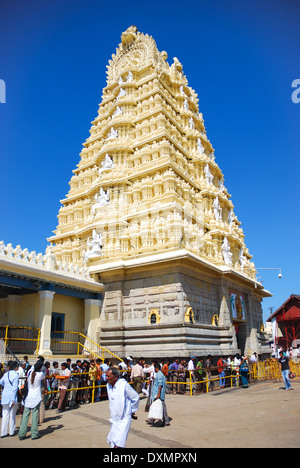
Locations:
column 156, row 410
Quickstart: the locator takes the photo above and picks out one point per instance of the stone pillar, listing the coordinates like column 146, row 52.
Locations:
column 252, row 345
column 92, row 317
column 44, row 319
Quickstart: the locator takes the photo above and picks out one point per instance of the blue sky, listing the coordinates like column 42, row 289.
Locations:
column 241, row 57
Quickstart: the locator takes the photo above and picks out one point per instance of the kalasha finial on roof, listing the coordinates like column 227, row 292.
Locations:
column 129, row 36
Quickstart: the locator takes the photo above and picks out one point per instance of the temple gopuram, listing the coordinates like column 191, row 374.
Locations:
column 149, row 214
column 149, row 217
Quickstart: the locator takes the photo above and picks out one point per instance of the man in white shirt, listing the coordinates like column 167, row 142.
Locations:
column 191, row 365
column 104, row 367
column 137, row 376
column 191, row 369
column 123, row 402
column 254, row 358
column 236, row 365
column 237, row 361
column 123, row 368
column 296, row 354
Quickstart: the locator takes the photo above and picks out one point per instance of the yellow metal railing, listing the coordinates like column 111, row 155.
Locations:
column 90, row 388
column 12, row 334
column 20, row 339
column 270, row 369
column 99, row 349
column 192, row 382
column 88, row 345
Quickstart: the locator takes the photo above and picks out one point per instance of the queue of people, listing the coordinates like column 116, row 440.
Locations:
column 50, row 386
column 71, row 383
column 201, row 372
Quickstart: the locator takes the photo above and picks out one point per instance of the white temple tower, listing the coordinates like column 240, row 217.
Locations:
column 148, row 213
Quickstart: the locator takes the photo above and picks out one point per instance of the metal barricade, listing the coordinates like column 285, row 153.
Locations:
column 20, row 339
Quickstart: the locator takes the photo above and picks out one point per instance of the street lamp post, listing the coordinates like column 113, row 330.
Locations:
column 280, row 274
column 259, row 277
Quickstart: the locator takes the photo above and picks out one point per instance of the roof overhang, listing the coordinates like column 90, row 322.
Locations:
column 17, row 278
column 183, row 256
column 292, row 305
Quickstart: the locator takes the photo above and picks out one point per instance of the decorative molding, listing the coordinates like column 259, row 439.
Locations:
column 45, row 261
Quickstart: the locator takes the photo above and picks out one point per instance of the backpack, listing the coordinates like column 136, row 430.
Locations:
column 23, row 392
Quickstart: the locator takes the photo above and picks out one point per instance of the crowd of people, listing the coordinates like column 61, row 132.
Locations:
column 291, row 352
column 54, row 386
column 199, row 373
column 79, row 378
column 157, row 378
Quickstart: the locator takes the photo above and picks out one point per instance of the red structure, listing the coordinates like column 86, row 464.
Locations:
column 288, row 321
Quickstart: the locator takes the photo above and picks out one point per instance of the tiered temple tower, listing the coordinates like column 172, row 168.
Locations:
column 148, row 213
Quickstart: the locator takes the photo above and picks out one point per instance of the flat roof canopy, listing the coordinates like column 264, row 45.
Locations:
column 18, row 284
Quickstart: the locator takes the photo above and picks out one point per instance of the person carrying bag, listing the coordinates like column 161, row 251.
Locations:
column 158, row 394
column 9, row 399
column 156, row 410
column 32, row 401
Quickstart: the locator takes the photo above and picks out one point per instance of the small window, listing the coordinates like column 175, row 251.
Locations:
column 189, row 315
column 57, row 325
column 215, row 320
column 154, row 316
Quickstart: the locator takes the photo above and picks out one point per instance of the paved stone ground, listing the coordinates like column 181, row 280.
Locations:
column 264, row 415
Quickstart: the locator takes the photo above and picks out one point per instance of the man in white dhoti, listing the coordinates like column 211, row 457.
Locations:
column 123, row 401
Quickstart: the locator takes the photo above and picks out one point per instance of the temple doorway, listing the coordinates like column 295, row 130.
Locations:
column 240, row 331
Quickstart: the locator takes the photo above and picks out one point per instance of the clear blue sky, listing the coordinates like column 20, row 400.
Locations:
column 241, row 57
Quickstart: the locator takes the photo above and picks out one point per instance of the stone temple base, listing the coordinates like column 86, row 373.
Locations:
column 177, row 307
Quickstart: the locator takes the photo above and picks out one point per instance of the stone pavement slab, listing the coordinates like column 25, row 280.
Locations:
column 264, row 415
